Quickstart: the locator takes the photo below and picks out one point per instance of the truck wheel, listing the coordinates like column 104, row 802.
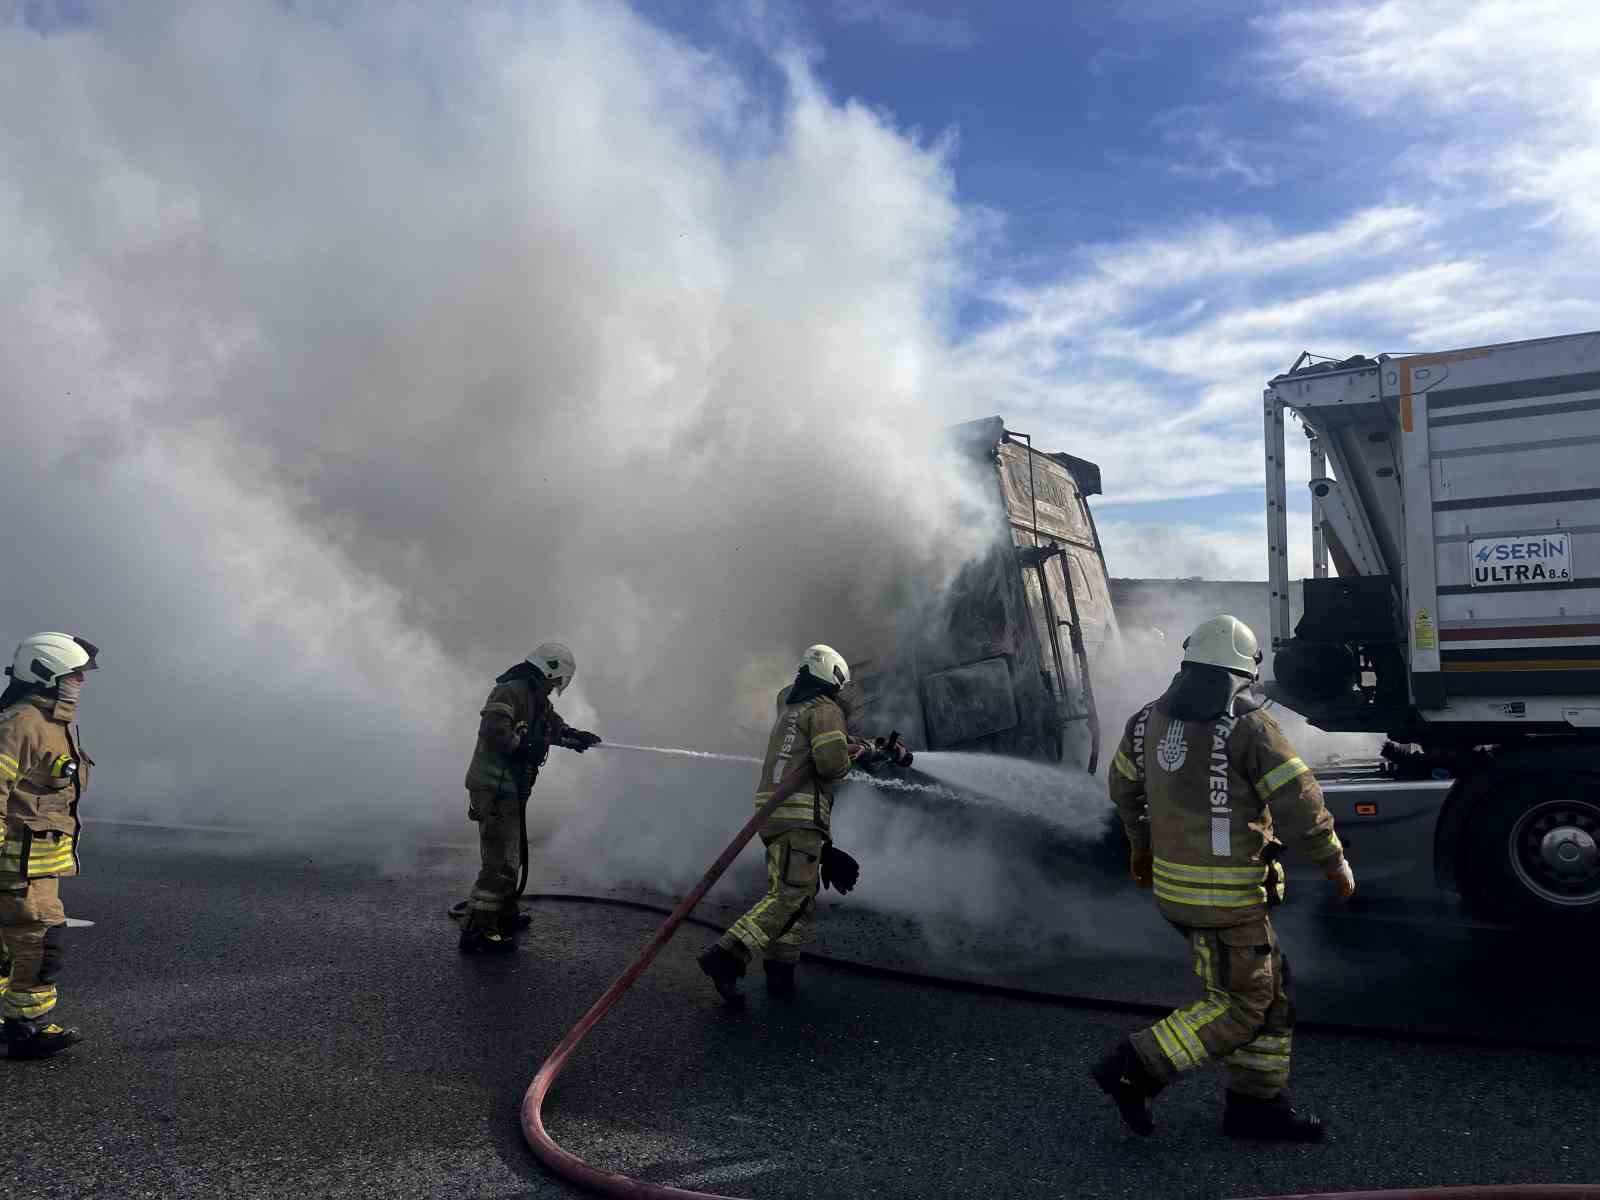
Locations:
column 1535, row 847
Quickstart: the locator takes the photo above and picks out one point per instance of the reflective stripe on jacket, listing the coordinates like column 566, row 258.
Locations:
column 814, row 728
column 43, row 775
column 1207, row 799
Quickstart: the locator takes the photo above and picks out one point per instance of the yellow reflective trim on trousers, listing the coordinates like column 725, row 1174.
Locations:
column 1125, row 767
column 44, row 857
column 1184, row 1036
column 1198, row 1015
column 1264, row 1052
column 751, row 924
column 1280, row 775
column 1189, row 873
column 9, row 761
column 828, row 738
column 1267, row 1064
column 1207, row 898
column 1203, row 966
column 1171, row 1046
column 26, row 1005
column 1328, row 850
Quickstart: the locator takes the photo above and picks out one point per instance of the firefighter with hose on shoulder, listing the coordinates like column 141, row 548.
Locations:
column 1205, row 783
column 810, row 727
column 43, row 775
column 517, row 725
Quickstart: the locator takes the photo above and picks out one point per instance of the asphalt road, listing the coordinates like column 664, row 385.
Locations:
column 276, row 1024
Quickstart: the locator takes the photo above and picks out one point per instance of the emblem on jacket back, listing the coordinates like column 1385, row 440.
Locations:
column 1172, row 749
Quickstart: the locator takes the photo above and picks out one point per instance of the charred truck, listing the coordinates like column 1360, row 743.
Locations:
column 1001, row 662
column 1457, row 496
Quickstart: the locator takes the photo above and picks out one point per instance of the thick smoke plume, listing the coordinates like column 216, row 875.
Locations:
column 347, row 355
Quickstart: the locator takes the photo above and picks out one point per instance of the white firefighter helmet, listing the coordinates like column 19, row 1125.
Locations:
column 555, row 663
column 46, row 657
column 826, row 664
column 1225, row 642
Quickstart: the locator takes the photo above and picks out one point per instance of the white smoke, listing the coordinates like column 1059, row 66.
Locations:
column 346, row 358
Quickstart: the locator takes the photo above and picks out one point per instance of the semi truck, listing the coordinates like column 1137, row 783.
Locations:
column 1456, row 496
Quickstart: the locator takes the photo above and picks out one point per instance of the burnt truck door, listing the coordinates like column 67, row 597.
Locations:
column 1068, row 596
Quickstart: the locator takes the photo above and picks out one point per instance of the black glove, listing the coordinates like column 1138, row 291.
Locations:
column 881, row 753
column 577, row 739
column 839, row 870
column 896, row 750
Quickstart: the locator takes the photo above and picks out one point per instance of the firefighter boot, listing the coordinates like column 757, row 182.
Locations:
column 1122, row 1076
column 512, row 920
column 1269, row 1120
column 32, row 1039
column 780, row 977
column 485, row 941
column 725, row 970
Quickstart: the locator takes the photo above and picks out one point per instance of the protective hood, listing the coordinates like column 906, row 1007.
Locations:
column 1204, row 693
column 522, row 670
column 807, row 686
column 17, row 690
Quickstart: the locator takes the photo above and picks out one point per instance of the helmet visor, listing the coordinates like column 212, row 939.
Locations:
column 91, row 650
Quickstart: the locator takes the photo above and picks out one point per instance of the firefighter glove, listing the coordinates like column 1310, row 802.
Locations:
column 839, row 870
column 1345, row 878
column 896, row 750
column 1141, row 865
column 577, row 739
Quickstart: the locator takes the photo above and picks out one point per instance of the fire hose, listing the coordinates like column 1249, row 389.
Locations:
column 605, row 1183
column 568, row 1165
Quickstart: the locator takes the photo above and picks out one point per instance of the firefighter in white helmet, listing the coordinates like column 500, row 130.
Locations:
column 43, row 775
column 1206, row 783
column 517, row 725
column 800, row 852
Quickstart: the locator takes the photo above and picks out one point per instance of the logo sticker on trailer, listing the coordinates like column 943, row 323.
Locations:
column 1520, row 560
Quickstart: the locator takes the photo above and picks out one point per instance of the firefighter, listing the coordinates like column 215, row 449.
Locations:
column 1205, row 783
column 517, row 726
column 800, row 853
column 43, row 775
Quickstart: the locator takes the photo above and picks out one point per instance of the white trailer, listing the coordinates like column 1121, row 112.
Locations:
column 1458, row 498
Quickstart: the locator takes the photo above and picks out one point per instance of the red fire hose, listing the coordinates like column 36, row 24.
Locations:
column 568, row 1165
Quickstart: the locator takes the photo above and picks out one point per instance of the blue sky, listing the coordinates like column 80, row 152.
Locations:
column 1265, row 177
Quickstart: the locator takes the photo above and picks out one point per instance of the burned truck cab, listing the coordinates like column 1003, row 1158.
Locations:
column 1002, row 661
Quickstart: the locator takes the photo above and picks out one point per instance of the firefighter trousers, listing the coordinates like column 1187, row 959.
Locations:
column 1245, row 1021
column 494, row 893
column 32, row 924
column 779, row 924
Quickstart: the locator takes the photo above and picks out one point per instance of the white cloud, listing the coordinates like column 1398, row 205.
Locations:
column 907, row 23
column 1500, row 96
column 1212, row 154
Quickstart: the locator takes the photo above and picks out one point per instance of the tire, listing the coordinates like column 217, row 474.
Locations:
column 1533, row 847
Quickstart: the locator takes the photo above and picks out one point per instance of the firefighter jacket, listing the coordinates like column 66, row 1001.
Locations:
column 504, row 760
column 43, row 775
column 813, row 728
column 1208, row 799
